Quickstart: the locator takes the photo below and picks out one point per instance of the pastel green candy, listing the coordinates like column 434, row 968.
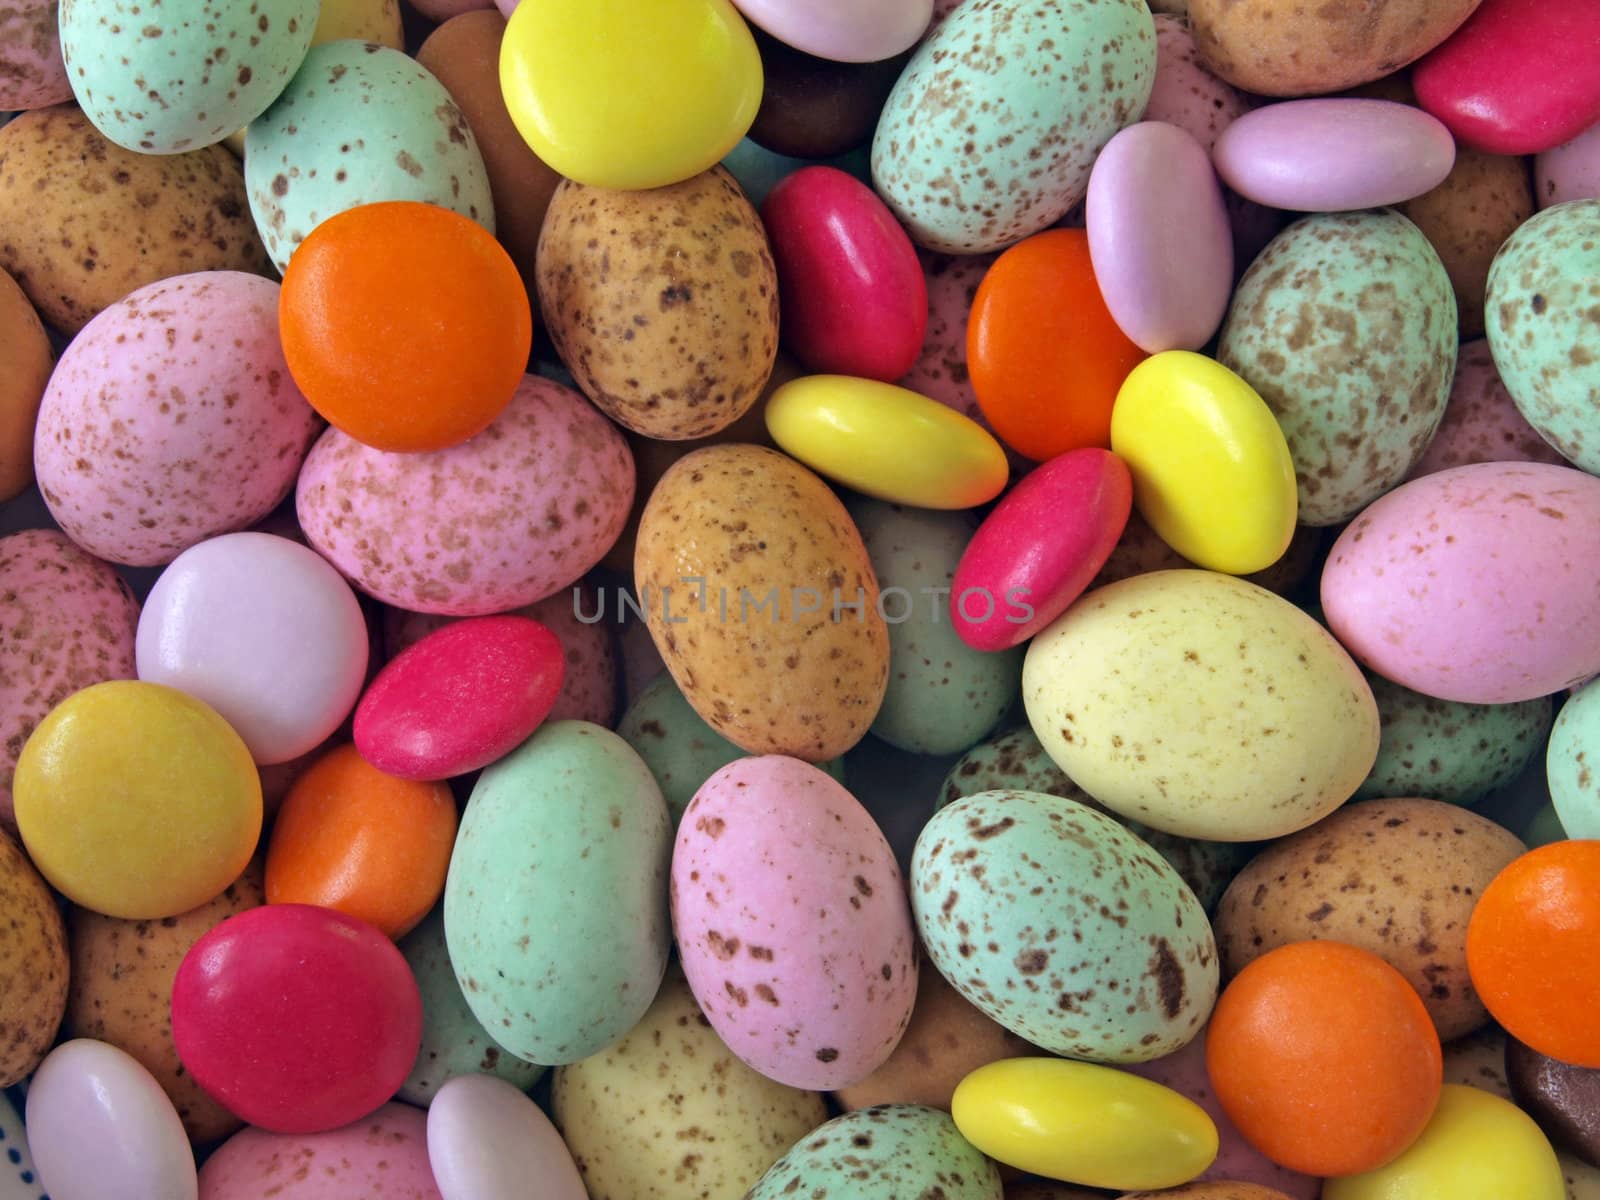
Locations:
column 1572, row 763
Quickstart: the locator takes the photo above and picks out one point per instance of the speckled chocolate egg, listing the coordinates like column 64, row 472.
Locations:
column 1396, row 877
column 33, row 965
column 514, row 515
column 121, row 992
column 32, row 73
column 70, row 623
column 86, row 222
column 1186, row 94
column 763, row 661
column 1540, row 316
column 1572, row 764
column 1279, row 48
column 1445, row 750
column 25, row 349
column 1016, row 761
column 662, row 303
column 383, row 1156
column 370, row 20
column 669, row 1112
column 1346, row 326
column 172, row 418
column 1478, row 1059
column 991, row 129
column 887, row 1153
column 1214, row 1190
column 1062, row 926
column 359, row 123
column 941, row 371
column 164, row 79
column 1481, row 422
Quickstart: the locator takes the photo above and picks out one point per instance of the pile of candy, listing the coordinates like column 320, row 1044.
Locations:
column 983, row 600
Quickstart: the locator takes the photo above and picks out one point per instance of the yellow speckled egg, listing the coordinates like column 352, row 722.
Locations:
column 365, row 20
column 121, row 993
column 1201, row 705
column 668, row 1112
column 33, row 965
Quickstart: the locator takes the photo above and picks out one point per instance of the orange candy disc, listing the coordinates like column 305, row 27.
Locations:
column 405, row 324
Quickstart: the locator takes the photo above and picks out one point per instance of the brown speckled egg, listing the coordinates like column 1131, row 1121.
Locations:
column 1478, row 1059
column 1481, row 422
column 84, row 222
column 121, row 992
column 1286, row 48
column 662, row 303
column 25, row 350
column 765, row 673
column 1396, row 877
column 33, row 965
column 70, row 622
column 1216, row 1190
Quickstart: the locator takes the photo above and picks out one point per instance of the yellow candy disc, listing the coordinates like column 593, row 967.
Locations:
column 137, row 801
column 1084, row 1124
column 887, row 442
column 1211, row 469
column 619, row 94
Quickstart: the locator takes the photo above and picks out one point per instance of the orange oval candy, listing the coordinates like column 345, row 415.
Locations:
column 1325, row 1058
column 372, row 846
column 1045, row 357
column 1533, row 950
column 406, row 325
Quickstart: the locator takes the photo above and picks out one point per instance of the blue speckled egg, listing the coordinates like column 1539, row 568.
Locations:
column 1572, row 763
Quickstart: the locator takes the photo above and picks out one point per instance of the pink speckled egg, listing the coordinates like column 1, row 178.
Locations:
column 172, row 418
column 792, row 923
column 381, row 1157
column 70, row 621
column 1475, row 584
column 1569, row 172
column 1481, row 422
column 514, row 515
column 32, row 73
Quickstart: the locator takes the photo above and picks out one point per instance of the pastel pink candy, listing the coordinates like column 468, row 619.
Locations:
column 843, row 30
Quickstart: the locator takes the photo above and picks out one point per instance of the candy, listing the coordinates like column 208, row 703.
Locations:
column 1571, row 762
column 817, row 107
column 1562, row 1098
column 31, row 67
column 33, row 965
column 26, row 347
column 385, row 1154
column 1570, row 171
column 838, row 29
column 1481, row 422
column 487, row 1141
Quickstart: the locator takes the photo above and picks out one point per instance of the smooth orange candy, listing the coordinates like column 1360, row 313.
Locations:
column 1325, row 1058
column 1045, row 357
column 1533, row 950
column 406, row 325
column 351, row 838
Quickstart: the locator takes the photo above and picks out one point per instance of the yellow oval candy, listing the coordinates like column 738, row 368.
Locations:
column 887, row 442
column 1476, row 1147
column 620, row 94
column 1084, row 1124
column 1211, row 469
column 137, row 801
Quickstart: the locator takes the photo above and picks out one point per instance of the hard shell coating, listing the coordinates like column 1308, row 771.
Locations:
column 1540, row 309
column 1346, row 326
column 1061, row 925
column 991, row 129
column 33, row 965
column 893, row 1152
column 1396, row 877
column 1481, row 422
column 662, row 303
column 359, row 123
column 669, row 1112
column 1147, row 692
column 766, row 536
column 570, row 815
column 1572, row 764
column 86, row 222
column 25, row 349
column 1213, row 1190
column 32, row 73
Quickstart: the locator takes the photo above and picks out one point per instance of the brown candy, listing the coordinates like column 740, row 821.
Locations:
column 817, row 108
column 1564, row 1099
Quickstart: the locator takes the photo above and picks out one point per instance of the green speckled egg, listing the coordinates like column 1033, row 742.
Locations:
column 359, row 123
column 1056, row 922
column 163, row 78
column 990, row 132
column 1543, row 828
column 1443, row 750
column 555, row 908
column 1572, row 764
column 680, row 749
column 1016, row 761
column 1542, row 317
column 943, row 695
column 892, row 1152
column 453, row 1042
column 1346, row 325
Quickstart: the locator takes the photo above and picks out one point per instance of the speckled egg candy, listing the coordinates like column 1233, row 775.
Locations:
column 1569, row 172
column 991, row 130
column 172, row 418
column 384, row 1156
column 940, row 373
column 1112, row 961
column 33, row 965
column 1540, row 316
column 1346, row 326
column 161, row 80
column 359, row 123
column 70, row 623
column 887, row 1153
column 1572, row 764
column 26, row 349
column 32, row 73
column 791, row 923
column 1481, row 422
column 500, row 521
